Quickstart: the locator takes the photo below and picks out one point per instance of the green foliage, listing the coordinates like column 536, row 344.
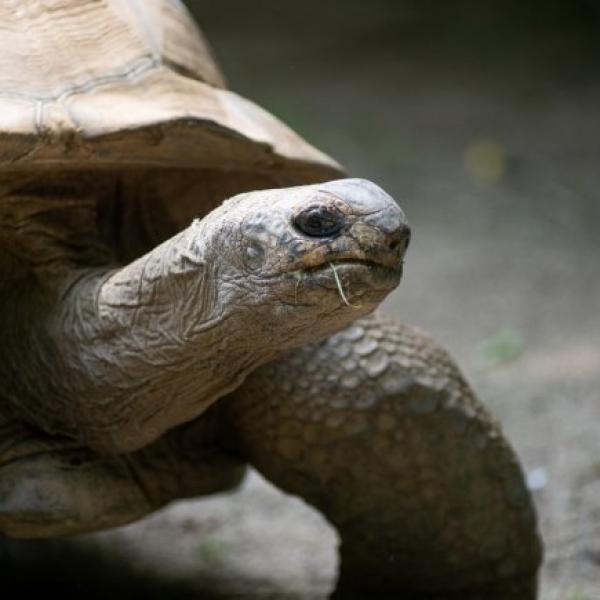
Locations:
column 577, row 595
column 505, row 345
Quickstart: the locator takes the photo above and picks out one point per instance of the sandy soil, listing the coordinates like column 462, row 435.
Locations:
column 491, row 143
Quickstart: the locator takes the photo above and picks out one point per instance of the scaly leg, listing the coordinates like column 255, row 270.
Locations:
column 377, row 428
column 49, row 488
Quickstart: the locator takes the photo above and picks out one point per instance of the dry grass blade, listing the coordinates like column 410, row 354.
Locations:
column 340, row 289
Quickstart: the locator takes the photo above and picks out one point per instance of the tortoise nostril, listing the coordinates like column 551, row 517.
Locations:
column 319, row 221
column 401, row 240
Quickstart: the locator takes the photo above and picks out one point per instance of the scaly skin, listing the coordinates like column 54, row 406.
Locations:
column 377, row 429
column 375, row 426
column 59, row 488
column 100, row 359
column 114, row 356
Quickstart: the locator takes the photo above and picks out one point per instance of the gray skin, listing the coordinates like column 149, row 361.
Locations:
column 116, row 357
column 110, row 359
column 111, row 375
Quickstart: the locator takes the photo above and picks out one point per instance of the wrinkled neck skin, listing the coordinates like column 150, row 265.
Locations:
column 115, row 357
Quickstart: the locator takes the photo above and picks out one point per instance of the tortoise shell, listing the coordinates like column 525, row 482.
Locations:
column 127, row 93
column 127, row 82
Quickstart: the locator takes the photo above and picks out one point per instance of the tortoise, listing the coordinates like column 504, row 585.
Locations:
column 188, row 288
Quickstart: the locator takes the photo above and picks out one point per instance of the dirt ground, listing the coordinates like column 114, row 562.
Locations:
column 487, row 131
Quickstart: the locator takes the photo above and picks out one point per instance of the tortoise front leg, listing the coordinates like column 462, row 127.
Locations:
column 49, row 488
column 377, row 428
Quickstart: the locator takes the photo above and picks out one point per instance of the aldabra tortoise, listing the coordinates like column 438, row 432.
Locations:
column 154, row 333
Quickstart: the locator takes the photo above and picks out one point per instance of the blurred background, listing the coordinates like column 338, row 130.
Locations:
column 483, row 120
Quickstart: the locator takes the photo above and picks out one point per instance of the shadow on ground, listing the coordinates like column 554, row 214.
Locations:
column 74, row 569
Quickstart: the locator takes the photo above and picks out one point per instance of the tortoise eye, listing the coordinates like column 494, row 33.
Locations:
column 319, row 221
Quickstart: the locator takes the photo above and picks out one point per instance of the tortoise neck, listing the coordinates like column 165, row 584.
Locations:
column 113, row 356
column 125, row 354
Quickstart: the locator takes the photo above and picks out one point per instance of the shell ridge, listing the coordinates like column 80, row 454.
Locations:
column 140, row 10
column 139, row 67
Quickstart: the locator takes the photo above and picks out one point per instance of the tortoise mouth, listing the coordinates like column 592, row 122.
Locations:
column 357, row 275
column 358, row 262
column 348, row 265
column 355, row 282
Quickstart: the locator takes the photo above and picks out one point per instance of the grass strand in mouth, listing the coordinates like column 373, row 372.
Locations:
column 339, row 287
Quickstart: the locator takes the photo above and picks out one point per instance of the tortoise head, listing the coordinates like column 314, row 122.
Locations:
column 333, row 245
